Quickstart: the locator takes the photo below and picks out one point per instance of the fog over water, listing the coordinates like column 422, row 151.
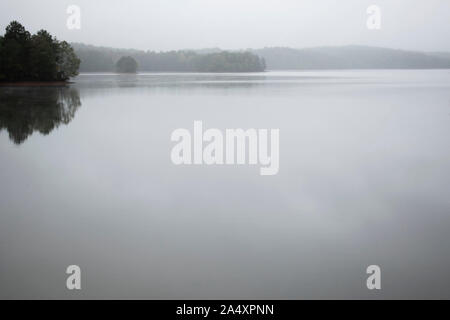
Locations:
column 86, row 178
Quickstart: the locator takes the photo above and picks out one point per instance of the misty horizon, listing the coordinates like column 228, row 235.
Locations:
column 232, row 25
column 208, row 49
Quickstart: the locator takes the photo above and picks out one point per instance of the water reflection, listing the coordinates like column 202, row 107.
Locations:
column 25, row 110
column 364, row 179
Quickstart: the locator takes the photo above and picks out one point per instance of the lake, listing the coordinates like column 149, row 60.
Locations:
column 86, row 178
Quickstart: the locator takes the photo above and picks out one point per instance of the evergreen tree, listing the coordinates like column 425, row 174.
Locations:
column 15, row 52
column 43, row 56
column 40, row 57
column 67, row 63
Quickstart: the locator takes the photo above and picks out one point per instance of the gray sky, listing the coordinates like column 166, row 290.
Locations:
column 236, row 24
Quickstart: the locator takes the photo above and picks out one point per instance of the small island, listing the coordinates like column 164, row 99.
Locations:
column 126, row 65
column 38, row 59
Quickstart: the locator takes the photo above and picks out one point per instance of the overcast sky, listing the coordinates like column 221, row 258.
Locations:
column 238, row 24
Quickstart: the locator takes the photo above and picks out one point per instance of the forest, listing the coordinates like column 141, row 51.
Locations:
column 351, row 57
column 101, row 59
column 37, row 57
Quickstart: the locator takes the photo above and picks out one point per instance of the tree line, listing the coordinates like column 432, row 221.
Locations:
column 100, row 59
column 37, row 57
column 351, row 57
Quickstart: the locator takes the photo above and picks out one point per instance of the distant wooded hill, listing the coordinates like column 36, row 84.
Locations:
column 351, row 57
column 99, row 59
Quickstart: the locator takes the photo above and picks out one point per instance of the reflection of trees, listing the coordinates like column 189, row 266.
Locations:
column 25, row 110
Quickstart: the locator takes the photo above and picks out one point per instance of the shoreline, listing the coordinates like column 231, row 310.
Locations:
column 35, row 84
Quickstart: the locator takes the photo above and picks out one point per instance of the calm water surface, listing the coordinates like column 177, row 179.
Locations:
column 86, row 178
